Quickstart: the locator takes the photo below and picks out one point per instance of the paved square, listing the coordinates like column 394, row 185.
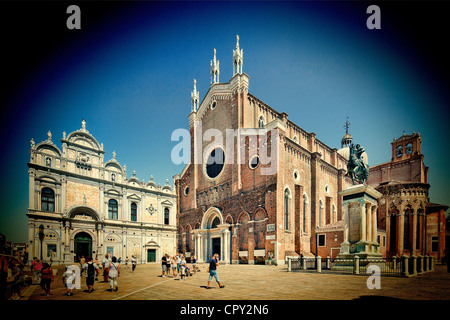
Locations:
column 251, row 282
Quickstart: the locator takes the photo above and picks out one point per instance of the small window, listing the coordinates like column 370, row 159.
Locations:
column 261, row 122
column 321, row 240
column 213, row 105
column 399, row 151
column 254, row 162
column 113, row 210
column 133, row 211
column 113, row 177
column 296, row 175
column 434, row 244
column 166, row 215
column 48, row 200
column 186, row 190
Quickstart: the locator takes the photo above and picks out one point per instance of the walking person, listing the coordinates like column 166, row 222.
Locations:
column 46, row 278
column 36, row 267
column 133, row 263
column 114, row 273
column 213, row 263
column 91, row 269
column 69, row 278
column 18, row 283
column 105, row 263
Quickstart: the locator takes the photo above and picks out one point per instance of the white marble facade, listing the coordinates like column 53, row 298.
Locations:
column 89, row 207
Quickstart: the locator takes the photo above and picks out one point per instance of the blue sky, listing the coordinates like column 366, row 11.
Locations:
column 129, row 72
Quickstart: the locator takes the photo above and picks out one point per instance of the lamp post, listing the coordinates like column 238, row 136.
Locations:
column 41, row 236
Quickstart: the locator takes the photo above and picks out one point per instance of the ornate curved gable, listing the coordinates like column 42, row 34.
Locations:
column 82, row 138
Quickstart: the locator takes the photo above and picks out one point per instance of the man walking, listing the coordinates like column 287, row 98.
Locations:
column 213, row 263
column 90, row 268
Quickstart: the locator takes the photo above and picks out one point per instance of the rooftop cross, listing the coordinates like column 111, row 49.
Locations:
column 347, row 125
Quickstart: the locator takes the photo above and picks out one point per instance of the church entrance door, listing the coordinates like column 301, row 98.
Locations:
column 82, row 246
column 216, row 246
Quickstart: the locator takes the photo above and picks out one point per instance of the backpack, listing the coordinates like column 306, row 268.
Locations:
column 90, row 270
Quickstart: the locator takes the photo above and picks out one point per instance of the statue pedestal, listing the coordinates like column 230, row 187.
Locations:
column 360, row 205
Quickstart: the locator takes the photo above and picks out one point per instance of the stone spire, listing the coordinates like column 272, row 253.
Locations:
column 215, row 70
column 238, row 58
column 194, row 97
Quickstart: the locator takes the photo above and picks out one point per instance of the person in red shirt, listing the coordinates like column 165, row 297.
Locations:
column 36, row 267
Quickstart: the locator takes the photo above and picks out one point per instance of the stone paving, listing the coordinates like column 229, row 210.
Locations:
column 251, row 282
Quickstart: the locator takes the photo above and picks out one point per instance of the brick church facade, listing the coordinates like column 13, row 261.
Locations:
column 245, row 210
column 230, row 200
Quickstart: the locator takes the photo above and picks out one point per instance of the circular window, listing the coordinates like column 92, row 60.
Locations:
column 327, row 189
column 186, row 191
column 296, row 175
column 254, row 162
column 215, row 163
column 213, row 105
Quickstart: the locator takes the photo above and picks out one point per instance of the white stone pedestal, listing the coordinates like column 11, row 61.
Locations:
column 359, row 206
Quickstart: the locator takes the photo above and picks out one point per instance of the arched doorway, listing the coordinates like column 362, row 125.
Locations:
column 82, row 246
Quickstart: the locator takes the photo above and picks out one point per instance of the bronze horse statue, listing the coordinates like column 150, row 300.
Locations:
column 356, row 168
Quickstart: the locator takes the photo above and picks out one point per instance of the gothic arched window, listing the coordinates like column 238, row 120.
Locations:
column 48, row 200
column 133, row 210
column 215, row 223
column 113, row 209
column 261, row 122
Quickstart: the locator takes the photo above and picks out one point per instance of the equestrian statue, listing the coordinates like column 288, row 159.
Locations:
column 357, row 169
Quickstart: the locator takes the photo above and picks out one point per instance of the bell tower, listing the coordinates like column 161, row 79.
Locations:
column 406, row 146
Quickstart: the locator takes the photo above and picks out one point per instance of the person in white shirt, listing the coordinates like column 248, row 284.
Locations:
column 114, row 273
column 133, row 263
column 69, row 278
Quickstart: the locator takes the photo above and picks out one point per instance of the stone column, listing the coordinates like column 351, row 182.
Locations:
column 363, row 221
column 31, row 190
column 414, row 230
column 226, row 247
column 369, row 222
column 374, row 223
